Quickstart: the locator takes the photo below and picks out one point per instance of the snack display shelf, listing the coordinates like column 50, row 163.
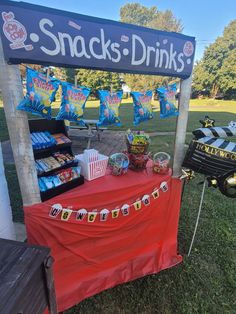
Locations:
column 54, row 127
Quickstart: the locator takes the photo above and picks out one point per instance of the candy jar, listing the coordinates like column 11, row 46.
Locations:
column 161, row 163
column 118, row 163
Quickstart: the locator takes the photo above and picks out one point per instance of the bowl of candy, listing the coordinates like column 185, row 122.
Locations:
column 137, row 142
column 138, row 161
column 118, row 163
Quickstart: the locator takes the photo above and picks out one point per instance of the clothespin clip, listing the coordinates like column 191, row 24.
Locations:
column 47, row 75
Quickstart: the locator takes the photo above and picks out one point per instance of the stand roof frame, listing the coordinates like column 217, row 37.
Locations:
column 145, row 48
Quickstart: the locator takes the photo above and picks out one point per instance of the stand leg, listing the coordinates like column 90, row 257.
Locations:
column 50, row 285
column 198, row 216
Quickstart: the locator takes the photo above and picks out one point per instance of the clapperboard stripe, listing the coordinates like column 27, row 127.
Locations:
column 212, row 141
column 218, row 143
column 215, row 132
column 228, row 131
column 230, row 147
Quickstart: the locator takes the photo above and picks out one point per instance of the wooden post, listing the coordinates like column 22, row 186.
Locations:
column 179, row 152
column 17, row 123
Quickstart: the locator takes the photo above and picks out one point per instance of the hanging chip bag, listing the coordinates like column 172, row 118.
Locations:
column 109, row 107
column 142, row 106
column 73, row 102
column 40, row 94
column 167, row 101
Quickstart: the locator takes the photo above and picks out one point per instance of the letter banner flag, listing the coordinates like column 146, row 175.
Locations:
column 72, row 40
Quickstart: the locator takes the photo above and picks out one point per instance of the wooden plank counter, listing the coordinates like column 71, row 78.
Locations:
column 26, row 281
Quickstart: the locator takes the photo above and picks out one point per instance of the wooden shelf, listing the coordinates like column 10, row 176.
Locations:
column 53, row 127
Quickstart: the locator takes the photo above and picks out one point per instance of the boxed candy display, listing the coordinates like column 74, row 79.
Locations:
column 60, row 138
column 60, row 177
column 55, row 161
column 42, row 140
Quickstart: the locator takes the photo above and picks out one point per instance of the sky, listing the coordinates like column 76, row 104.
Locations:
column 203, row 19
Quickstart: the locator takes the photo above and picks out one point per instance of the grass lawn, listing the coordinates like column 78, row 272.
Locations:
column 203, row 283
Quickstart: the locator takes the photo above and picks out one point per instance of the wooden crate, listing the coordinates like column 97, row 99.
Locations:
column 26, row 280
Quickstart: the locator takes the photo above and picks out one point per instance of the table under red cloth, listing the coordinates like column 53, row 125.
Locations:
column 94, row 256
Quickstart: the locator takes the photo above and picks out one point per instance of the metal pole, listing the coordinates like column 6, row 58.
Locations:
column 198, row 216
column 18, row 128
column 179, row 151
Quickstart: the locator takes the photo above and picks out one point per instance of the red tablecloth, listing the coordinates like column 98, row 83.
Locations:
column 93, row 256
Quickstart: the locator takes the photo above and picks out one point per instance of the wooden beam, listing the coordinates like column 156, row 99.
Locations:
column 17, row 123
column 179, row 151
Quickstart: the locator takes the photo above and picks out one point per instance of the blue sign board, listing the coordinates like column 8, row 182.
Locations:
column 40, row 35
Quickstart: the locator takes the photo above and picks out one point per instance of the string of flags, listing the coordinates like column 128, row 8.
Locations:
column 65, row 213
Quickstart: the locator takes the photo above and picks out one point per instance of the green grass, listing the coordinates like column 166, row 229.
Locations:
column 203, row 283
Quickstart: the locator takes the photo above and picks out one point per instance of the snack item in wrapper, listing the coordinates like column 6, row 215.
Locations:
column 142, row 106
column 109, row 107
column 40, row 94
column 167, row 101
column 73, row 102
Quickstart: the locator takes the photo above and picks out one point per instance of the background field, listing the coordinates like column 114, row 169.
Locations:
column 203, row 283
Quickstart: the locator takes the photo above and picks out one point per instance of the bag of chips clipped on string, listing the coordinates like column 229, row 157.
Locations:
column 142, row 106
column 109, row 107
column 40, row 94
column 167, row 101
column 73, row 102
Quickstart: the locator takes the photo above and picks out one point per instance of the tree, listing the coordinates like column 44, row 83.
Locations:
column 135, row 13
column 227, row 75
column 216, row 71
column 99, row 80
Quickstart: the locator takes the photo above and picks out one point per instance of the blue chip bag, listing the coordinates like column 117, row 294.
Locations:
column 73, row 102
column 109, row 107
column 142, row 106
column 40, row 94
column 167, row 101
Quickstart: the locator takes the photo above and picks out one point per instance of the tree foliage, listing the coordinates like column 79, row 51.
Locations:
column 99, row 80
column 216, row 72
column 135, row 13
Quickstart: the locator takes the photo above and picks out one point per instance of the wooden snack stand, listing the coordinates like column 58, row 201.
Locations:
column 58, row 38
